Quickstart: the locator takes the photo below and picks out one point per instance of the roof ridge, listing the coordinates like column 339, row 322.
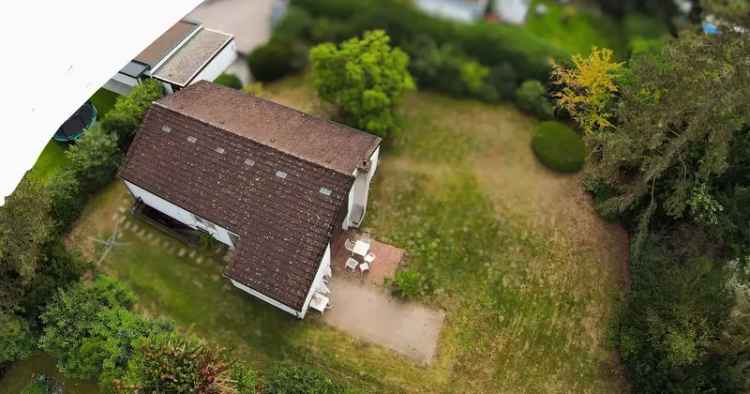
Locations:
column 221, row 127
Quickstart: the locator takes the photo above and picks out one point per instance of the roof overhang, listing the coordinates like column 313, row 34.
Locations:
column 59, row 64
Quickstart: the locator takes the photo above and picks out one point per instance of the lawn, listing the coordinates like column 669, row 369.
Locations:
column 53, row 158
column 514, row 253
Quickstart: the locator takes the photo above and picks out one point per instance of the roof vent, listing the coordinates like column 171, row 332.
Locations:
column 250, row 162
column 192, row 140
column 281, row 174
column 219, row 150
column 166, row 129
column 325, row 191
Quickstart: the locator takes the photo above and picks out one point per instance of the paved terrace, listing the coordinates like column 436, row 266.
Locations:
column 363, row 308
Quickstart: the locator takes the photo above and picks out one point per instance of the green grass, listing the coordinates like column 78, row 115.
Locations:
column 22, row 373
column 103, row 100
column 50, row 162
column 559, row 147
column 526, row 305
column 573, row 29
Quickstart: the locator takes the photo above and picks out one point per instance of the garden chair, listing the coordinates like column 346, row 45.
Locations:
column 351, row 264
column 349, row 245
column 370, row 258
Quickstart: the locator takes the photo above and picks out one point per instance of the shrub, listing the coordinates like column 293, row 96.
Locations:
column 558, row 147
column 276, row 59
column 245, row 379
column 408, row 284
column 173, row 363
column 365, row 78
column 67, row 199
column 41, row 385
column 16, row 340
column 94, row 159
column 447, row 69
column 296, row 24
column 229, row 80
column 531, row 97
column 292, row 379
column 70, row 321
column 126, row 116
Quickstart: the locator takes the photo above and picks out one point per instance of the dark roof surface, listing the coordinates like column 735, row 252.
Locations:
column 271, row 199
column 326, row 143
column 168, row 41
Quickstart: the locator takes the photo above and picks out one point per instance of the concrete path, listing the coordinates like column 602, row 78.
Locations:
column 368, row 313
column 248, row 20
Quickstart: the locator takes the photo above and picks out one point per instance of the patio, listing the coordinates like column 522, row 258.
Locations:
column 364, row 308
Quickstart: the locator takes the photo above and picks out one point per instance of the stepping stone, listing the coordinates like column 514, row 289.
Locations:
column 115, row 216
column 192, row 254
column 226, row 258
column 127, row 226
column 135, row 227
column 198, row 283
column 181, row 252
column 122, row 209
column 215, row 278
column 199, row 259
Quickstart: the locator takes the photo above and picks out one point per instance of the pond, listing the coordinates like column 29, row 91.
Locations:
column 21, row 373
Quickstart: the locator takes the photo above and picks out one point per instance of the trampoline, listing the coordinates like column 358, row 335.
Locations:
column 81, row 120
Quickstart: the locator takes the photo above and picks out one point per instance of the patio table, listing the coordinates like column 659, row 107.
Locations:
column 361, row 248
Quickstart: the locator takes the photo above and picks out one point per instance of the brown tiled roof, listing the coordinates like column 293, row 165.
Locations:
column 168, row 41
column 271, row 199
column 326, row 143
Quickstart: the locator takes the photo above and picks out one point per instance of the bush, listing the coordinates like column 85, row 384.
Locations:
column 447, row 69
column 126, row 116
column 173, row 363
column 67, row 198
column 276, row 59
column 558, row 147
column 41, row 385
column 531, row 97
column 16, row 340
column 245, row 379
column 408, row 284
column 291, row 379
column 365, row 78
column 229, row 80
column 94, row 159
column 490, row 44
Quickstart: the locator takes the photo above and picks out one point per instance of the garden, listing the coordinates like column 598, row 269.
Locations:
column 568, row 217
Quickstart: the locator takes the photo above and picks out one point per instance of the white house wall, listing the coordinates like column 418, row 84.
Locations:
column 325, row 265
column 218, row 64
column 177, row 213
column 267, row 299
column 356, row 193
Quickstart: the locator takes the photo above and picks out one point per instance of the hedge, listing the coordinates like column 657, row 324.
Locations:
column 229, row 80
column 559, row 147
column 490, row 43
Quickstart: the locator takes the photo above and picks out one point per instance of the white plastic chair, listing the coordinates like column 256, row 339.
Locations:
column 364, row 267
column 349, row 245
column 351, row 264
column 370, row 258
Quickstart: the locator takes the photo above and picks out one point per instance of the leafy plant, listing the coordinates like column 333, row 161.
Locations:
column 124, row 119
column 16, row 340
column 294, row 379
column 558, row 147
column 531, row 97
column 408, row 284
column 229, row 80
column 365, row 77
column 276, row 59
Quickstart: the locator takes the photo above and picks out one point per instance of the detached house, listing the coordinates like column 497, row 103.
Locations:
column 272, row 183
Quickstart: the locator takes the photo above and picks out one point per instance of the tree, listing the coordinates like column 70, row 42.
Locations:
column 26, row 227
column 126, row 116
column 365, row 77
column 732, row 11
column 677, row 111
column 94, row 159
column 587, row 90
column 16, row 340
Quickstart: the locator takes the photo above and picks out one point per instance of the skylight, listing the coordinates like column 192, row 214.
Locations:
column 219, row 150
column 192, row 140
column 281, row 174
column 250, row 162
column 325, row 191
column 166, row 129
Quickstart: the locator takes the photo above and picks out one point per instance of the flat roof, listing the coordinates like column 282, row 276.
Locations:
column 184, row 64
column 166, row 43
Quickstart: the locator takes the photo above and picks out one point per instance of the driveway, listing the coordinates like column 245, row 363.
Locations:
column 248, row 20
column 370, row 314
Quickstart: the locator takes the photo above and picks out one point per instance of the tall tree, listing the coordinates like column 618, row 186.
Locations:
column 365, row 77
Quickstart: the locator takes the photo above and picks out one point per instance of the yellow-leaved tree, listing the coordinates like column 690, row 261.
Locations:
column 587, row 89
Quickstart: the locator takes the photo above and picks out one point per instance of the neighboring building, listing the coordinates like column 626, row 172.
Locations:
column 459, row 10
column 513, row 11
column 184, row 54
column 274, row 184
